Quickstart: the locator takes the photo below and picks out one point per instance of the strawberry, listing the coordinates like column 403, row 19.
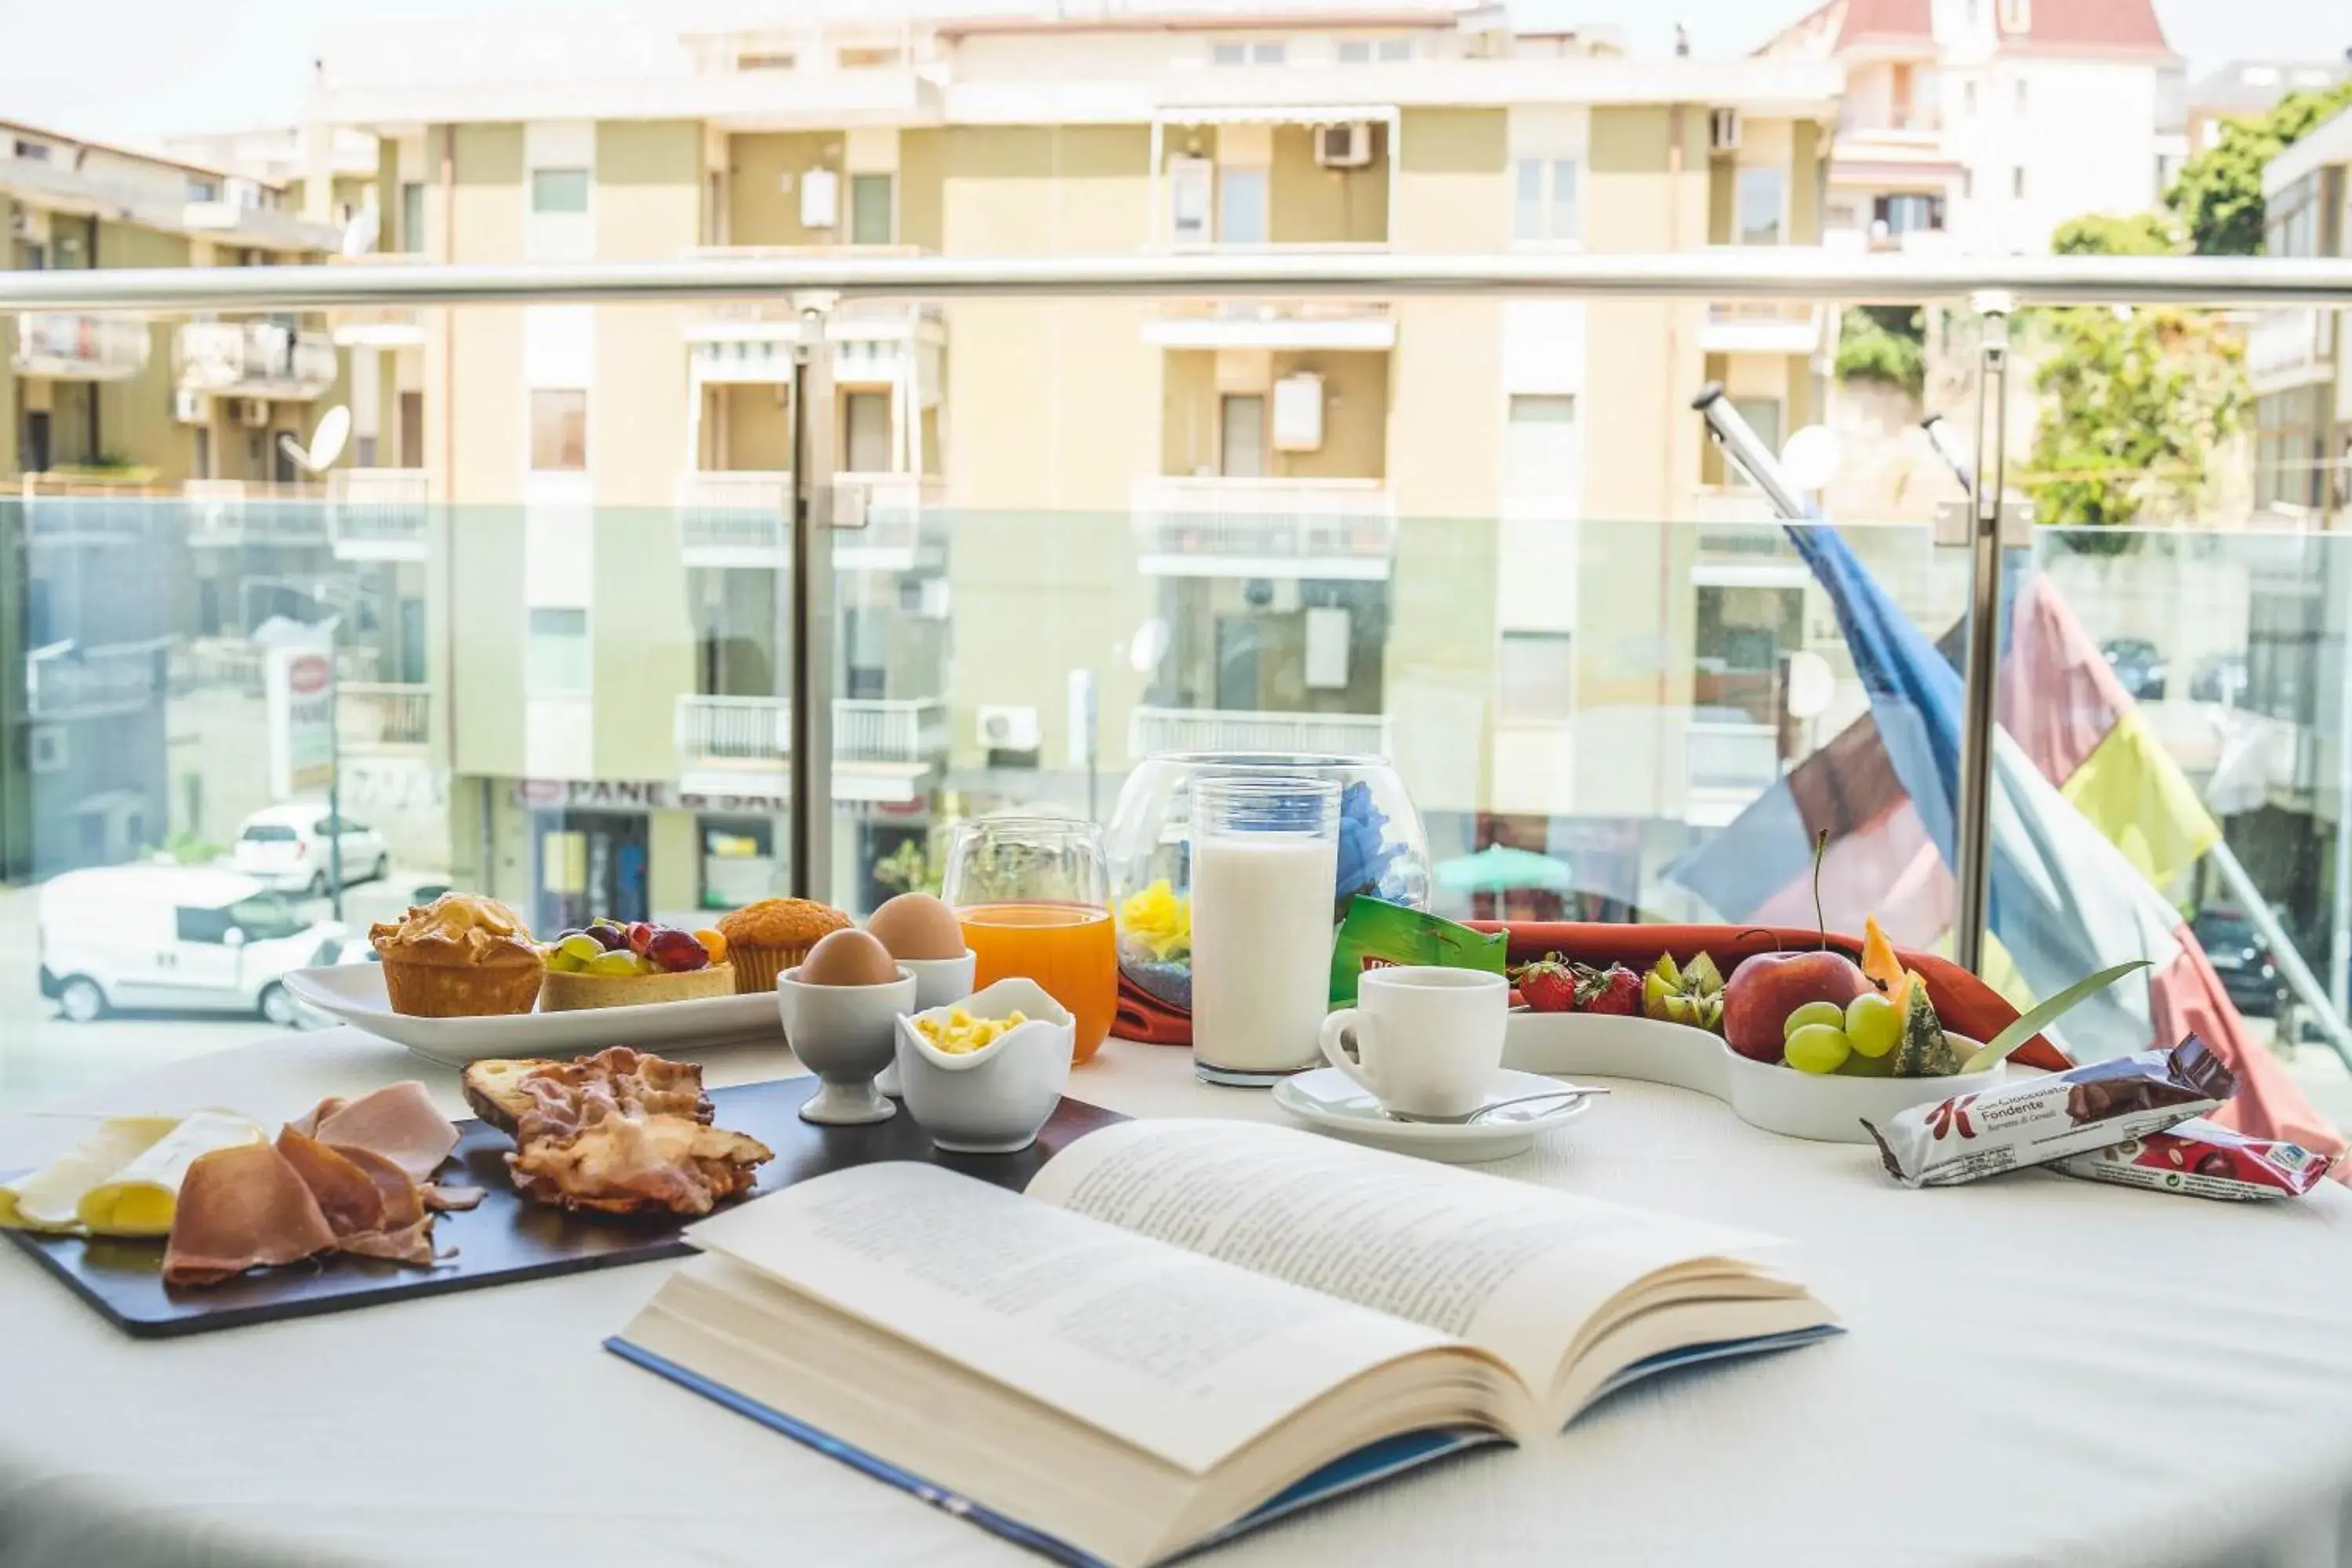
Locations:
column 1616, row 989
column 1546, row 986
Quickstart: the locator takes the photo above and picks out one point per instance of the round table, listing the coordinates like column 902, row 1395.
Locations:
column 2039, row 1370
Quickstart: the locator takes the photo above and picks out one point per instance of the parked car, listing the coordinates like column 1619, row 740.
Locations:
column 180, row 937
column 2137, row 664
column 291, row 848
column 2242, row 958
column 2219, row 677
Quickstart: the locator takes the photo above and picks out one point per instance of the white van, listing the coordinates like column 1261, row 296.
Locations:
column 180, row 937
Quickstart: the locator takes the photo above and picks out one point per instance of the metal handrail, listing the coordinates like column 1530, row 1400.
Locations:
column 1755, row 273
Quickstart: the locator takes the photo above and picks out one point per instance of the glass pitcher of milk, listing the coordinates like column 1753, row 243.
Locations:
column 1266, row 849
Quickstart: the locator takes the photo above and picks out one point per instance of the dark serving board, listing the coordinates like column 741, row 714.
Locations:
column 506, row 1238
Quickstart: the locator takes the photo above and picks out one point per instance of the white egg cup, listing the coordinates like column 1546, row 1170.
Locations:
column 843, row 1034
column 938, row 982
column 995, row 1099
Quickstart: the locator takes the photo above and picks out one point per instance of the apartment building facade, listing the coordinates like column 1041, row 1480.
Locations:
column 1950, row 108
column 125, row 446
column 1097, row 528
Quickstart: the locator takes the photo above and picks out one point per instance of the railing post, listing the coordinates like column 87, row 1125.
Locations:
column 809, row 514
column 1981, row 713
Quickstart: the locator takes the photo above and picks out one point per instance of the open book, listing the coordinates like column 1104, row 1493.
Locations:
column 1185, row 1328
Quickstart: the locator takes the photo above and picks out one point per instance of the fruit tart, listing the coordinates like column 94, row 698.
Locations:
column 612, row 963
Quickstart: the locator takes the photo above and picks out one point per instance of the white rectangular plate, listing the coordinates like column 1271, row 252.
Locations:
column 354, row 993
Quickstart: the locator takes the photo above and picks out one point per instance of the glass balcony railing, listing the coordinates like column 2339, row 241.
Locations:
column 1518, row 573
column 79, row 345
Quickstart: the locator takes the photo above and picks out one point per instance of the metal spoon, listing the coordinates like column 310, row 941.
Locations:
column 1483, row 1111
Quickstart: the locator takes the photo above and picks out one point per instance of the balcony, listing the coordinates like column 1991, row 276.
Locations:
column 1216, row 527
column 883, row 747
column 1293, row 325
column 2290, row 348
column 873, row 340
column 1760, row 327
column 74, row 346
column 91, row 683
column 376, row 326
column 736, row 518
column 236, row 665
column 235, row 512
column 254, row 359
column 383, row 719
column 377, row 514
column 99, row 517
column 1153, row 729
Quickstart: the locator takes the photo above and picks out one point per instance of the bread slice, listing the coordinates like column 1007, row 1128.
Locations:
column 494, row 1089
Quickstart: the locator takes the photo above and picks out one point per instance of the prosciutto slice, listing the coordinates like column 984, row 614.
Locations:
column 397, row 1121
column 372, row 1207
column 240, row 1208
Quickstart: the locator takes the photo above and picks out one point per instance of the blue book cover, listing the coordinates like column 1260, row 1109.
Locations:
column 1374, row 1462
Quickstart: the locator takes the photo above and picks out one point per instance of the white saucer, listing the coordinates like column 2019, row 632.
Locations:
column 1330, row 1101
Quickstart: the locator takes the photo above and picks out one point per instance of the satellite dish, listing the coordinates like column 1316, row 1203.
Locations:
column 1149, row 646
column 1811, row 457
column 360, row 234
column 1811, row 684
column 326, row 441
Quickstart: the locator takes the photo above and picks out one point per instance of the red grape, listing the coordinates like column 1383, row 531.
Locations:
column 677, row 950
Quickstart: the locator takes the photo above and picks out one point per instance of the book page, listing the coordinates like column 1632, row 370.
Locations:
column 1515, row 1269
column 1182, row 1356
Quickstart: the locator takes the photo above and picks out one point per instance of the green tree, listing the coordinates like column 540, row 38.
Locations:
column 2219, row 194
column 2135, row 402
column 1882, row 343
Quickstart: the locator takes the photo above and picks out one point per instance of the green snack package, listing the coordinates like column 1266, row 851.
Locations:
column 1377, row 934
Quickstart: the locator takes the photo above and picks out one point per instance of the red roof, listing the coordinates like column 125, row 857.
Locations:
column 1869, row 20
column 2088, row 27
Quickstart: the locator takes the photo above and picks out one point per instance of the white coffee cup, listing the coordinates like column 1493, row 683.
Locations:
column 1427, row 1040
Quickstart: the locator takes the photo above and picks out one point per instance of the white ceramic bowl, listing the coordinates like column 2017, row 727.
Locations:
column 991, row 1101
column 843, row 1034
column 1828, row 1108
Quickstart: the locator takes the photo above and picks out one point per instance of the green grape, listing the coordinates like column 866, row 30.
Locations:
column 1812, row 1013
column 615, row 963
column 581, row 948
column 1817, row 1048
column 562, row 962
column 1872, row 1024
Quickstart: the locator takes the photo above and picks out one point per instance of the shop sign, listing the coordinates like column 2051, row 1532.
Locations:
column 638, row 795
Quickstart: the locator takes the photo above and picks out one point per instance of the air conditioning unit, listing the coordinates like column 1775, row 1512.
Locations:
column 820, row 199
column 1298, row 413
column 1343, row 146
column 1006, row 728
column 188, row 408
column 253, row 413
column 30, row 224
column 1723, row 130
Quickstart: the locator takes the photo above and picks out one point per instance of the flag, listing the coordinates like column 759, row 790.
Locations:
column 2086, row 809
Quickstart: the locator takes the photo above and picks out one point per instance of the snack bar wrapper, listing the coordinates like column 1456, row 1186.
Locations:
column 2038, row 1120
column 1377, row 934
column 2204, row 1159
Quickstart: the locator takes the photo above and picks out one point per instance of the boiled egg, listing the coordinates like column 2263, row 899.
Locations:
column 917, row 926
column 847, row 958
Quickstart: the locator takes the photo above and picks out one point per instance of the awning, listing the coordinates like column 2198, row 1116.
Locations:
column 1275, row 114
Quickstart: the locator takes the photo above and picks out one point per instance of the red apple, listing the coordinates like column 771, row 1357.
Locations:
column 1769, row 986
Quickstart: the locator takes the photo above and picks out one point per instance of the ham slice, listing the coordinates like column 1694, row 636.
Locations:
column 240, row 1208
column 371, row 1205
column 449, row 1200
column 397, row 1121
column 346, row 1195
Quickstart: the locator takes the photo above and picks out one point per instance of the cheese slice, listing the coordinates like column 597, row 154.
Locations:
column 48, row 1199
column 141, row 1198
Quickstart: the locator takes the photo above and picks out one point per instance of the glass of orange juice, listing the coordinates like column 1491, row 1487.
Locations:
column 1033, row 895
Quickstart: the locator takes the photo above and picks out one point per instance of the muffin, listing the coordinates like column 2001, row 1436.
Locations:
column 460, row 956
column 765, row 939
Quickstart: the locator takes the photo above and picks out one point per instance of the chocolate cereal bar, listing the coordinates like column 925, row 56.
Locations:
column 2035, row 1120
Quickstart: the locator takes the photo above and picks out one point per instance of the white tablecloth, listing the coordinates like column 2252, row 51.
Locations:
column 2039, row 1370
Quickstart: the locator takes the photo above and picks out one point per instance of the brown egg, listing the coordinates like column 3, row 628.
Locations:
column 848, row 958
column 917, row 925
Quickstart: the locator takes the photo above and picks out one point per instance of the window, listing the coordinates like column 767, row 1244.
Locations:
column 1241, row 207
column 411, row 236
column 1761, row 193
column 1539, row 447
column 202, row 190
column 1967, row 184
column 2019, row 95
column 1763, row 416
column 1241, row 437
column 1546, row 205
column 1392, row 50
column 1968, row 98
column 1364, row 51
column 1533, row 679
column 558, row 190
column 559, row 430
column 868, row 59
column 866, row 433
column 1269, row 54
column 32, row 151
column 871, row 210
column 1229, row 54
column 1355, row 51
column 267, row 833
column 764, row 61
column 1908, row 213
column 555, row 661
column 2017, row 182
